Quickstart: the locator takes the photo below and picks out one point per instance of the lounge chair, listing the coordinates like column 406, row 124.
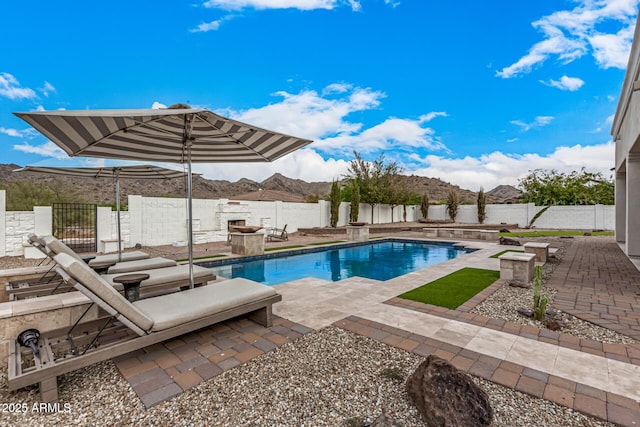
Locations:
column 278, row 234
column 163, row 273
column 136, row 325
column 131, row 261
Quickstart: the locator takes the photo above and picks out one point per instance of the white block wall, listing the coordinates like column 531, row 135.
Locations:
column 18, row 226
column 153, row 221
column 3, row 223
column 598, row 217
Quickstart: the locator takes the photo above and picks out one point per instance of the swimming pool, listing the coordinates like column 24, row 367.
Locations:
column 380, row 260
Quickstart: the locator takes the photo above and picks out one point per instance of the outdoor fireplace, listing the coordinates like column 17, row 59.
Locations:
column 235, row 223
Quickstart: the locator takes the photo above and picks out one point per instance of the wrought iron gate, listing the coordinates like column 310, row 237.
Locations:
column 75, row 225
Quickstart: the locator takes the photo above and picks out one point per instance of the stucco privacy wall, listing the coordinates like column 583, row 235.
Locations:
column 3, row 223
column 153, row 221
column 520, row 214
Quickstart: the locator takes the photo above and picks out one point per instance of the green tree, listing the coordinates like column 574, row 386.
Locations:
column 354, row 210
column 24, row 195
column 453, row 202
column 424, row 205
column 547, row 188
column 371, row 178
column 334, row 199
column 395, row 193
column 482, row 206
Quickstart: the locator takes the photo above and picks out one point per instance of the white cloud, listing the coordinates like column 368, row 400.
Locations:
column 213, row 25
column 156, row 105
column 491, row 170
column 565, row 83
column 570, row 34
column 25, row 133
column 432, row 115
column 488, row 170
column 336, row 88
column 538, row 122
column 324, row 119
column 47, row 89
column 512, row 140
column 48, row 149
column 304, row 164
column 10, row 88
column 612, row 50
column 309, row 115
column 273, row 4
column 392, row 134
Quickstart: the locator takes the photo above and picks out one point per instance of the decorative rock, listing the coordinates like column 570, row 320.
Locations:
column 509, row 242
column 553, row 324
column 445, row 396
column 525, row 312
column 587, row 233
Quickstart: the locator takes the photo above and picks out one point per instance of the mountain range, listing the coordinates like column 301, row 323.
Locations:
column 102, row 190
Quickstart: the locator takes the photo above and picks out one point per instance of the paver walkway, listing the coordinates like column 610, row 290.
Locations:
column 598, row 283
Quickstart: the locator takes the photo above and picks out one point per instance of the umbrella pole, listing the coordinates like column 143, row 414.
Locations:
column 118, row 212
column 190, row 222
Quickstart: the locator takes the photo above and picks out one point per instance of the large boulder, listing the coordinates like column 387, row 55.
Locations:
column 509, row 242
column 446, row 396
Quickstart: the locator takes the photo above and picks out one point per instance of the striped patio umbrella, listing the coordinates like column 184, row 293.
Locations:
column 114, row 172
column 178, row 134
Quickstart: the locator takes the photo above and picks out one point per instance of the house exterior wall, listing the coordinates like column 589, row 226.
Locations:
column 626, row 134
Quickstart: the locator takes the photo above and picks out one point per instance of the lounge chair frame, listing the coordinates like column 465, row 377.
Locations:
column 38, row 286
column 279, row 234
column 47, row 368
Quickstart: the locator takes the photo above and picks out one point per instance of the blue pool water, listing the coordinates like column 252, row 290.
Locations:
column 379, row 260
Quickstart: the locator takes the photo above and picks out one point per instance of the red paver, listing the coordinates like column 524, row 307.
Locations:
column 187, row 379
column 164, row 370
column 559, row 395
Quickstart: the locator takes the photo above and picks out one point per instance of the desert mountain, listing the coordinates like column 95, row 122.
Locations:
column 102, row 190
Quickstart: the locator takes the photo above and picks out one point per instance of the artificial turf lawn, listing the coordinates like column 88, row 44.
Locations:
column 455, row 289
column 504, row 252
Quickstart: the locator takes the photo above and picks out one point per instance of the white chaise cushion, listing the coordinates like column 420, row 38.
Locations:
column 159, row 276
column 171, row 310
column 141, row 264
column 102, row 261
column 58, row 247
column 91, row 280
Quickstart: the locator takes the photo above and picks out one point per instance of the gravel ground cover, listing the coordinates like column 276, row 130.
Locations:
column 326, row 378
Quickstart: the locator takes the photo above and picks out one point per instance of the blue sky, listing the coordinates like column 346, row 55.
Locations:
column 475, row 93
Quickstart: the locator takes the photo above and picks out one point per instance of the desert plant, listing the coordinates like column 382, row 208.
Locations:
column 482, row 206
column 539, row 302
column 334, row 198
column 354, row 212
column 424, row 205
column 453, row 201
